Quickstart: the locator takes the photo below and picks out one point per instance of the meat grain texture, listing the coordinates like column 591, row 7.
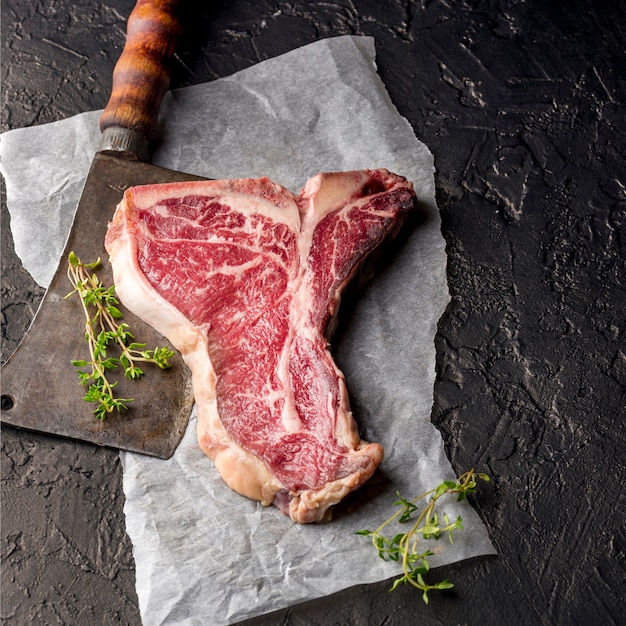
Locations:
column 245, row 279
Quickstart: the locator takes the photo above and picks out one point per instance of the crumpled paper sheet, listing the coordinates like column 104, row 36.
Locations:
column 204, row 554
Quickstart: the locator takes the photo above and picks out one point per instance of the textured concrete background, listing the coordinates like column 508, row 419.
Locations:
column 522, row 104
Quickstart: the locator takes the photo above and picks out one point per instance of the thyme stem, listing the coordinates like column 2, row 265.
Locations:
column 102, row 326
column 403, row 547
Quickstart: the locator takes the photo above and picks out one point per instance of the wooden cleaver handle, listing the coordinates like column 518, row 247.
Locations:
column 140, row 79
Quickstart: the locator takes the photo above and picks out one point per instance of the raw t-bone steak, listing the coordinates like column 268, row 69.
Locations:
column 244, row 278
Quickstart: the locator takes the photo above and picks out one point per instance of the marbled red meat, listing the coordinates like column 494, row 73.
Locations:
column 244, row 277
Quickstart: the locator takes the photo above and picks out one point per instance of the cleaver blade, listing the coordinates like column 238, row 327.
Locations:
column 40, row 386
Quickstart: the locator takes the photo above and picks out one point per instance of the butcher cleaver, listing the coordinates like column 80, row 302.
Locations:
column 40, row 386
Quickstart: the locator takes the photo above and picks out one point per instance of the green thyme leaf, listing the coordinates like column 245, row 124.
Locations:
column 427, row 525
column 103, row 331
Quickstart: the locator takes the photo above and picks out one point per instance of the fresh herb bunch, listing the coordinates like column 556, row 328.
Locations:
column 403, row 547
column 103, row 328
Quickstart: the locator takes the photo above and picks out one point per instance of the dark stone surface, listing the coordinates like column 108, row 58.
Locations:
column 522, row 104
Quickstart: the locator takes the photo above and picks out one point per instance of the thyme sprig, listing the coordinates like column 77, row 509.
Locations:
column 405, row 547
column 103, row 329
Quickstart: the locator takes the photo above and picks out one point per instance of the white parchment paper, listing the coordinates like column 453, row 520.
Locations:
column 203, row 554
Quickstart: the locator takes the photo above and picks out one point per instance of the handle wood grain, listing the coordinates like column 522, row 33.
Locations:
column 141, row 77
